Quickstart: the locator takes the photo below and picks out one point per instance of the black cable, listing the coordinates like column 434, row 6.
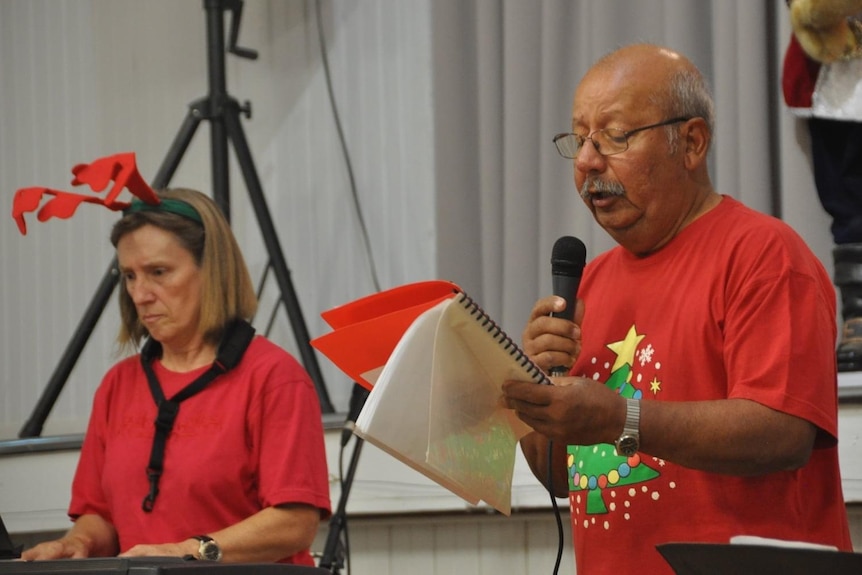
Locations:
column 364, row 232
column 345, row 532
column 560, row 536
column 376, row 282
column 348, row 163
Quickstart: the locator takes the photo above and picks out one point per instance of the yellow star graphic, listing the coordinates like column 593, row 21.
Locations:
column 655, row 386
column 625, row 349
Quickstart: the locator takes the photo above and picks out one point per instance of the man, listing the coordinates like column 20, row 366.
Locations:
column 703, row 400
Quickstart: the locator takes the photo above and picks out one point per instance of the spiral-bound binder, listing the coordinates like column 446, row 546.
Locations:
column 435, row 362
column 502, row 339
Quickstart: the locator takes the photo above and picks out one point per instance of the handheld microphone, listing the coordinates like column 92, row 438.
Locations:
column 568, row 259
column 357, row 401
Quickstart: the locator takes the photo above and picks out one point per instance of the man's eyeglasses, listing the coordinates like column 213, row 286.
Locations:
column 607, row 142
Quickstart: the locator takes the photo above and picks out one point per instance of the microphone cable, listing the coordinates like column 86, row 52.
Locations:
column 376, row 282
column 348, row 163
column 559, row 520
column 365, row 240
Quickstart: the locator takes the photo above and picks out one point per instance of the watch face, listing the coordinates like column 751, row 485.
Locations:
column 210, row 551
column 628, row 445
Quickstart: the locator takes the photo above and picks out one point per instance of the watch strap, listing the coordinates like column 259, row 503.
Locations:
column 628, row 443
column 633, row 417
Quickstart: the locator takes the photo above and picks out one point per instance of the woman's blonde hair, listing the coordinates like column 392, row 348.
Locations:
column 228, row 292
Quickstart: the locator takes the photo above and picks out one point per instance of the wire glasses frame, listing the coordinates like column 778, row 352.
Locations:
column 608, row 141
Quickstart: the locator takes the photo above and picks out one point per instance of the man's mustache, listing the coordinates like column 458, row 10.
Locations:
column 597, row 186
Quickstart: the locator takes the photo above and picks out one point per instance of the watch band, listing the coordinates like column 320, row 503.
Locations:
column 633, row 416
column 628, row 442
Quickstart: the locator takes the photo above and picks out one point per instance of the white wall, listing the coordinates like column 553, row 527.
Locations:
column 86, row 78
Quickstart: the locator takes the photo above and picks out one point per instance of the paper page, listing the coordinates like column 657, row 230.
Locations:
column 498, row 364
column 435, row 405
column 395, row 417
column 472, row 437
column 756, row 540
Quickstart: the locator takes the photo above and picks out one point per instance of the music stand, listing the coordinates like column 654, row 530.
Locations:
column 8, row 550
column 222, row 111
column 745, row 559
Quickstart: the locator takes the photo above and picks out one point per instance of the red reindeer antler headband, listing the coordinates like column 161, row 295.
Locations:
column 119, row 168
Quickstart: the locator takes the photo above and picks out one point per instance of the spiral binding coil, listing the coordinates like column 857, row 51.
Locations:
column 502, row 338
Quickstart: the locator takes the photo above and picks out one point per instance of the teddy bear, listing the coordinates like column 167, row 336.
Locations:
column 822, row 84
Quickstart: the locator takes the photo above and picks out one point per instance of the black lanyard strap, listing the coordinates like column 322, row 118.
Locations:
column 237, row 338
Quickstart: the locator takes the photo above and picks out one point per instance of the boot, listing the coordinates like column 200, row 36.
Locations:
column 848, row 278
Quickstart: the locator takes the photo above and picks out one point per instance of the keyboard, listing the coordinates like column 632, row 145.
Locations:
column 150, row 566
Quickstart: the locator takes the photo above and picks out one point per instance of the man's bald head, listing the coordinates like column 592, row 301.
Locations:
column 667, row 80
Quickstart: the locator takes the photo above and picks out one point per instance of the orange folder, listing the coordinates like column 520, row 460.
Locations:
column 366, row 330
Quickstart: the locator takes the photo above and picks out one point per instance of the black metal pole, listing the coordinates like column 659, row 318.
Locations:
column 224, row 119
column 331, row 558
column 217, row 98
column 277, row 261
column 179, row 145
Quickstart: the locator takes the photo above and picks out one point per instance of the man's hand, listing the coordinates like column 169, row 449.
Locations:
column 552, row 341
column 576, row 410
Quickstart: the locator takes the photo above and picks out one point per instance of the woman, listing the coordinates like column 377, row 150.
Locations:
column 234, row 468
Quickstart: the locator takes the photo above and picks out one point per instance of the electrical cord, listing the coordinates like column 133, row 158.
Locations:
column 363, row 231
column 376, row 282
column 349, row 165
column 560, row 536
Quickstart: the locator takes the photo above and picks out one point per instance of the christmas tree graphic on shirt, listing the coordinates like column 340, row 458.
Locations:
column 595, row 469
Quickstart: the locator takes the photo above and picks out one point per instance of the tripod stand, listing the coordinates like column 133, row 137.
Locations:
column 222, row 111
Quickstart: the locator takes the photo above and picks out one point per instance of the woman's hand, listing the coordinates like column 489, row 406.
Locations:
column 91, row 536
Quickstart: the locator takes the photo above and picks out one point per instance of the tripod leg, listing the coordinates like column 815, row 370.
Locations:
column 180, row 144
column 282, row 274
column 33, row 426
column 333, row 550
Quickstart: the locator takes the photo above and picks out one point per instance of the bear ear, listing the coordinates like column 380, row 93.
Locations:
column 828, row 30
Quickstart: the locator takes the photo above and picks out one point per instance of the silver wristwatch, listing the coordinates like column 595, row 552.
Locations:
column 629, row 441
column 208, row 550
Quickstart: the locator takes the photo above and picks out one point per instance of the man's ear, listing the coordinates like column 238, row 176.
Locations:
column 694, row 139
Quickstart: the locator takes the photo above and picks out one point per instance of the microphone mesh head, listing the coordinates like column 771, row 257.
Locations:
column 568, row 257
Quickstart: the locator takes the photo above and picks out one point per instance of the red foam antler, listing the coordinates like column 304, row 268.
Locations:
column 119, row 168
